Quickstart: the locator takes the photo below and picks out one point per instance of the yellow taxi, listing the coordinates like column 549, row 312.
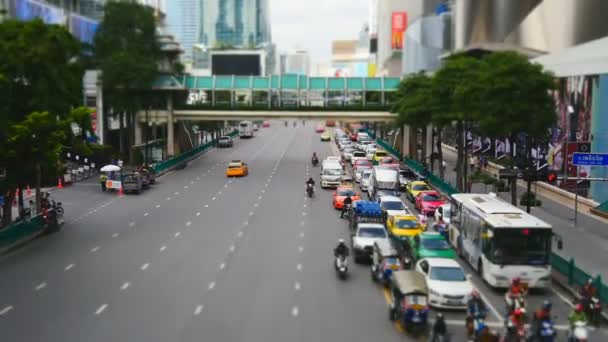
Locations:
column 237, row 168
column 404, row 226
column 379, row 155
column 412, row 189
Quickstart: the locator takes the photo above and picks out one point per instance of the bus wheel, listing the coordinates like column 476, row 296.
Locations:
column 480, row 270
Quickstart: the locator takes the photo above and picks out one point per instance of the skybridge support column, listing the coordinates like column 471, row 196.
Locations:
column 170, row 128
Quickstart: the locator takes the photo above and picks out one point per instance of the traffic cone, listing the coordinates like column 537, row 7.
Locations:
column 60, row 185
column 120, row 192
column 28, row 191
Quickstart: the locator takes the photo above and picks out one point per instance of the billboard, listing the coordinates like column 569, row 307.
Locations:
column 28, row 9
column 236, row 64
column 83, row 28
column 398, row 27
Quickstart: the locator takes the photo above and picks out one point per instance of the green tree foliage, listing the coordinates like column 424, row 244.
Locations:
column 414, row 101
column 128, row 53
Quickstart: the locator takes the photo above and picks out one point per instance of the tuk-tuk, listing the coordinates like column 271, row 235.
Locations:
column 385, row 261
column 409, row 301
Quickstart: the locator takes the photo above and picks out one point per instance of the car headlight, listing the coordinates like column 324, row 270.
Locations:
column 500, row 278
column 434, row 293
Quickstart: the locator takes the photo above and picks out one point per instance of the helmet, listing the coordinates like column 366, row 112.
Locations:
column 547, row 305
column 475, row 294
column 516, row 281
column 578, row 307
column 518, row 312
column 340, row 241
column 589, row 281
column 439, row 316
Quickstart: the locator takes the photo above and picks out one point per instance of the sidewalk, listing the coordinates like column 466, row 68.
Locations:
column 587, row 243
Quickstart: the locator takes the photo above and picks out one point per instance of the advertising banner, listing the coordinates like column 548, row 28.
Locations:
column 83, row 28
column 398, row 27
column 30, row 9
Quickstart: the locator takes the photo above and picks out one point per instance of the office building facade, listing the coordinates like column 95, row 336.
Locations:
column 183, row 18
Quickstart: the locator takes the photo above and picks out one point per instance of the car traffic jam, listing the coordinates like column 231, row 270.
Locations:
column 416, row 259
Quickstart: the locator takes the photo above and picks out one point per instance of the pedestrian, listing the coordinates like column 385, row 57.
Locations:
column 483, row 162
column 102, row 180
column 32, row 208
column 473, row 162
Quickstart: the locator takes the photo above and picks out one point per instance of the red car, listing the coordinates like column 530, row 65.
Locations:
column 266, row 124
column 354, row 137
column 341, row 193
column 330, row 123
column 362, row 163
column 428, row 201
column 320, row 129
column 389, row 162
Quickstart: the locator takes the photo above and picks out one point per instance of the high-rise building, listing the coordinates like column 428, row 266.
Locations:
column 183, row 21
column 296, row 62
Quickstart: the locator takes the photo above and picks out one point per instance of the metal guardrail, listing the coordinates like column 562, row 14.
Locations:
column 171, row 163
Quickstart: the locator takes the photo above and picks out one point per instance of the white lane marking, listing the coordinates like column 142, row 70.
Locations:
column 240, row 234
column 211, row 285
column 206, row 205
column 125, row 286
column 303, row 213
column 40, row 286
column 145, row 266
column 188, row 224
column 69, row 267
column 158, row 205
column 146, row 214
column 222, row 266
column 231, row 248
column 263, row 191
column 176, row 193
column 295, row 311
column 185, row 187
column 494, row 311
column 302, row 223
column 168, row 198
column 301, row 234
column 304, row 205
column 246, row 223
column 213, row 198
column 101, row 309
column 299, row 267
column 297, row 286
column 225, row 185
column 260, row 197
column 219, row 192
column 266, row 185
column 115, row 235
column 192, row 182
column 562, row 297
column 198, row 178
column 177, row 234
column 198, row 310
column 301, row 249
column 95, row 249
column 251, row 213
column 198, row 213
column 131, row 224
column 162, row 248
column 6, row 310
column 255, row 205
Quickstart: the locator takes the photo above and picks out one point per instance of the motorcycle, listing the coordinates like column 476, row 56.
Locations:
column 341, row 265
column 514, row 302
column 348, row 211
column 593, row 309
column 58, row 207
column 546, row 332
column 514, row 333
column 475, row 324
column 310, row 190
column 579, row 332
column 315, row 161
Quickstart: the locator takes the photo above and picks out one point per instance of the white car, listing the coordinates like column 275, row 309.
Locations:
column 364, row 182
column 357, row 155
column 334, row 158
column 361, row 145
column 449, row 286
column 364, row 238
column 369, row 153
column 348, row 153
column 443, row 213
column 393, row 206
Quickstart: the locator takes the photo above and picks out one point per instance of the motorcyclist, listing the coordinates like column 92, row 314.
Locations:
column 347, row 201
column 310, row 181
column 577, row 315
column 541, row 315
column 439, row 328
column 587, row 292
column 475, row 305
column 341, row 249
column 516, row 319
column 516, row 291
column 315, row 159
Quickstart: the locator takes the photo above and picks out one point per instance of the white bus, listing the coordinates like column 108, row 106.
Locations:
column 246, row 129
column 501, row 241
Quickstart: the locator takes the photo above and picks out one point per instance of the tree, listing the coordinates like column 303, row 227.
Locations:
column 41, row 71
column 128, row 53
column 457, row 101
column 515, row 98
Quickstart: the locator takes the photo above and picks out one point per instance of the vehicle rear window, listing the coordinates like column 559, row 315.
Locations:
column 393, row 205
column 232, row 166
column 346, row 192
column 421, row 187
column 447, row 273
column 358, row 154
column 405, row 224
column 431, row 197
column 435, row 244
column 381, row 154
column 372, row 232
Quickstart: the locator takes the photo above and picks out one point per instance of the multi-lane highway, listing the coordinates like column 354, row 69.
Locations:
column 200, row 257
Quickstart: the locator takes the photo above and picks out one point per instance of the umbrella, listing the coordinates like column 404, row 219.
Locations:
column 110, row 168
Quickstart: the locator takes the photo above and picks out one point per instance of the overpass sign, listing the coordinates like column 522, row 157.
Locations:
column 590, row 159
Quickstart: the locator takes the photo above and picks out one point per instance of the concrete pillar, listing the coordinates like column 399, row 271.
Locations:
column 428, row 143
column 405, row 148
column 170, row 129
column 599, row 136
column 138, row 133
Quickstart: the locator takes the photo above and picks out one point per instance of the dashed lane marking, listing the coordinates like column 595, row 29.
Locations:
column 146, row 214
column 69, row 267
column 158, row 205
column 299, row 267
column 145, row 266
column 301, row 234
column 115, row 235
column 222, row 266
column 198, row 310
column 211, row 285
column 297, row 286
column 239, row 235
column 40, row 286
column 188, row 224
column 251, row 213
column 168, row 198
column 246, row 223
column 162, row 248
column 131, row 224
column 213, row 198
column 185, row 187
column 95, row 249
column 231, row 248
column 198, row 213
column 302, row 223
column 101, row 309
column 219, row 192
column 125, row 286
column 259, row 197
column 255, row 205
column 206, row 205
column 177, row 234
column 295, row 311
column 6, row 310
column 301, row 249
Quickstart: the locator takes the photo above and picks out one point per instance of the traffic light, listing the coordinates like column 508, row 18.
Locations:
column 551, row 177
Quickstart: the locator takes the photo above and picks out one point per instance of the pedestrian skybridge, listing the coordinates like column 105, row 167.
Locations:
column 274, row 97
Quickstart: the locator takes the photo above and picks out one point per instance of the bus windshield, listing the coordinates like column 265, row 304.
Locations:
column 520, row 246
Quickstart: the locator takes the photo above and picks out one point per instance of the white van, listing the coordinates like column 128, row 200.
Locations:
column 331, row 174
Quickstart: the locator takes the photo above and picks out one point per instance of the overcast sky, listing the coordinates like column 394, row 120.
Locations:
column 313, row 24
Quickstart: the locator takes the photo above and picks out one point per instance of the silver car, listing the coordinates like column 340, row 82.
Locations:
column 348, row 153
column 364, row 238
column 365, row 176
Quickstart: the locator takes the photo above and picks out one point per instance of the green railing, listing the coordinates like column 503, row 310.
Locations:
column 171, row 163
column 603, row 207
column 576, row 277
column 21, row 230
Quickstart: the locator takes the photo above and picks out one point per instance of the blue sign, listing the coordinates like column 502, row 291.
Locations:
column 590, row 159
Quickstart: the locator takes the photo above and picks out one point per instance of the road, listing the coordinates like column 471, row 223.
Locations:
column 203, row 257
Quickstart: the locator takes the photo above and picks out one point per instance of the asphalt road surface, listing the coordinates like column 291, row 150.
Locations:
column 201, row 257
